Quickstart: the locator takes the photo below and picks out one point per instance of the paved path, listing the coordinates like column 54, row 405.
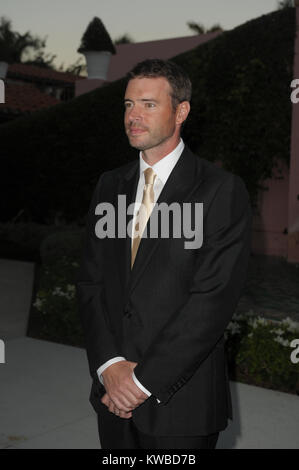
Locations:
column 16, row 281
column 45, row 388
column 44, row 397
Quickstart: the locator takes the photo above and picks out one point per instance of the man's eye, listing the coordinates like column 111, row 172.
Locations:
column 128, row 105
column 150, row 105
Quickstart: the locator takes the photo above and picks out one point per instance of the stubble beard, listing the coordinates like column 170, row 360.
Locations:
column 150, row 142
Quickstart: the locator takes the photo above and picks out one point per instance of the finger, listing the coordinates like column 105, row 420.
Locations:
column 105, row 399
column 124, row 415
column 121, row 403
column 112, row 408
column 133, row 394
column 137, row 395
column 110, row 405
column 125, row 400
column 133, row 364
column 129, row 400
column 133, row 407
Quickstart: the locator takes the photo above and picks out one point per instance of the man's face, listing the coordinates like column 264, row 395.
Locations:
column 149, row 116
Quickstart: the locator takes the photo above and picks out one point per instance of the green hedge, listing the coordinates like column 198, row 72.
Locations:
column 241, row 102
column 259, row 352
column 54, row 316
column 66, row 243
column 241, row 113
column 40, row 243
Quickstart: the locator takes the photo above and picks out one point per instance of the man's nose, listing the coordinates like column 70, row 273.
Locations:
column 135, row 114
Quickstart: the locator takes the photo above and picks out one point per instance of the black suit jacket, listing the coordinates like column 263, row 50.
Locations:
column 170, row 312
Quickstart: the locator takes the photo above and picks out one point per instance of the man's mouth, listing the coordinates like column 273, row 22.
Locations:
column 136, row 130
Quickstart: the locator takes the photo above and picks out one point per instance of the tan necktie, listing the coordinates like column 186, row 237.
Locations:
column 145, row 210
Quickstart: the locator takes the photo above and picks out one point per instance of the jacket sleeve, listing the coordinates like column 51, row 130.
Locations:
column 219, row 276
column 100, row 343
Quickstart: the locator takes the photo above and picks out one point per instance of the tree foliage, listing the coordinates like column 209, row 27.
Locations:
column 124, row 39
column 285, row 4
column 77, row 68
column 199, row 28
column 27, row 48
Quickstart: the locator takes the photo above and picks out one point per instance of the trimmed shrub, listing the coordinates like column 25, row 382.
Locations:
column 259, row 352
column 39, row 242
column 56, row 317
column 62, row 244
column 23, row 240
column 96, row 38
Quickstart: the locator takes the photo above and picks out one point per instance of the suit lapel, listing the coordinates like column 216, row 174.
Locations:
column 183, row 180
column 128, row 188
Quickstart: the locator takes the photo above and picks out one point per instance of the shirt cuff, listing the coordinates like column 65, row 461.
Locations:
column 142, row 387
column 107, row 364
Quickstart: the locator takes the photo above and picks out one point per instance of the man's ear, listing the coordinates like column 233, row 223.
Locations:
column 182, row 112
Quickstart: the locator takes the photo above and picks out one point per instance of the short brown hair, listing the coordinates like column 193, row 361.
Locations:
column 177, row 78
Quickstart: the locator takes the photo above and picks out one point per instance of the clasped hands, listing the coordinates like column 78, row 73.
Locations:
column 122, row 394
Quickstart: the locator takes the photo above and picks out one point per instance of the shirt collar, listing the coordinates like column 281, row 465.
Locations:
column 163, row 167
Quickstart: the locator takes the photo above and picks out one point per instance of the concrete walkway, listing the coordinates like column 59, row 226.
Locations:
column 16, row 281
column 45, row 388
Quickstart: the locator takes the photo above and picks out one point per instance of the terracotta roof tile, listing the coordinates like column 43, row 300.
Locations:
column 44, row 74
column 25, row 98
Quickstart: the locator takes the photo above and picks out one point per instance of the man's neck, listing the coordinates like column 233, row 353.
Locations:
column 155, row 154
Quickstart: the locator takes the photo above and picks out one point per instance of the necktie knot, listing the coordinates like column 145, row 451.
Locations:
column 149, row 176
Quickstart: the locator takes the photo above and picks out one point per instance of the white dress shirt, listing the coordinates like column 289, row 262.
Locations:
column 162, row 169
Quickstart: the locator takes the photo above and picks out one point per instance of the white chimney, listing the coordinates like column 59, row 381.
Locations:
column 3, row 69
column 97, row 64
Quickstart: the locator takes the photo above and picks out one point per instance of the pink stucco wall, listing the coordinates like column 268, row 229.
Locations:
column 276, row 219
column 270, row 218
column 84, row 86
column 293, row 213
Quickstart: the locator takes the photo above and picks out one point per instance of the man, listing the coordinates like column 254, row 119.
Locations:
column 154, row 311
